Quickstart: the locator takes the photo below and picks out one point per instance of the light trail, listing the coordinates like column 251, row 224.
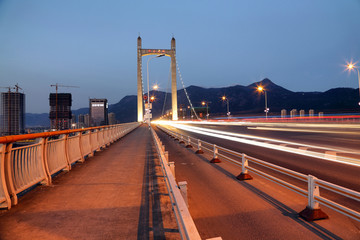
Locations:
column 268, row 124
column 302, row 130
column 241, row 138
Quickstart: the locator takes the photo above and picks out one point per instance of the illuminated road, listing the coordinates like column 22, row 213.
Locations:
column 258, row 209
column 328, row 151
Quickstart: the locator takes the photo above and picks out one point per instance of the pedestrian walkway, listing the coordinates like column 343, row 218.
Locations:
column 117, row 194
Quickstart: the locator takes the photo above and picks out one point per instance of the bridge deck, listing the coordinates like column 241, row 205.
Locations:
column 120, row 194
column 117, row 194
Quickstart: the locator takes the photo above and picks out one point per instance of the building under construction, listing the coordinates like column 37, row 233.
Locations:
column 12, row 113
column 60, row 111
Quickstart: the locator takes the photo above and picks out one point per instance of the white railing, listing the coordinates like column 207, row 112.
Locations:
column 184, row 220
column 312, row 193
column 48, row 153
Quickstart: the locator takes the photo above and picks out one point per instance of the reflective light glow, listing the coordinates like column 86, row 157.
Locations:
column 269, row 143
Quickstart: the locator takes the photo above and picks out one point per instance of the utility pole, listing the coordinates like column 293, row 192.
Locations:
column 56, row 101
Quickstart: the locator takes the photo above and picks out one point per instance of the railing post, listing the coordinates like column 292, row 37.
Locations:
column 199, row 151
column 244, row 175
column 166, row 153
column 81, row 148
column 183, row 191
column 312, row 211
column 44, row 160
column 7, row 203
column 9, row 175
column 172, row 168
column 66, row 152
column 181, row 140
column 176, row 138
column 188, row 143
column 215, row 156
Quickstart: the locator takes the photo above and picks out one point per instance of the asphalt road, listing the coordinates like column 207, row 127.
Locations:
column 340, row 140
column 258, row 209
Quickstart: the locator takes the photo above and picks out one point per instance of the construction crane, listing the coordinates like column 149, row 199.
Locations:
column 56, row 101
column 17, row 87
column 9, row 88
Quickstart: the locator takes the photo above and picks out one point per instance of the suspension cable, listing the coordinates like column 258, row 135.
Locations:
column 166, row 92
column 187, row 96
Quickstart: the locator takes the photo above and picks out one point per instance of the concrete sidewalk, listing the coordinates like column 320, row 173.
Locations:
column 117, row 194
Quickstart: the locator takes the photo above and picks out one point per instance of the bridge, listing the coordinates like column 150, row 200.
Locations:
column 116, row 182
column 215, row 179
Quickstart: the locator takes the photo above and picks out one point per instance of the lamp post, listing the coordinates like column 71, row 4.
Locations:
column 227, row 102
column 207, row 109
column 352, row 66
column 147, row 109
column 261, row 89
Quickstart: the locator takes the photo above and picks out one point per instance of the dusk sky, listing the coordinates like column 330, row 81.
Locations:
column 299, row 45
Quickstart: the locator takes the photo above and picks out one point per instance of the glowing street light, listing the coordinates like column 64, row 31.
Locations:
column 351, row 66
column 262, row 89
column 207, row 108
column 227, row 101
column 156, row 87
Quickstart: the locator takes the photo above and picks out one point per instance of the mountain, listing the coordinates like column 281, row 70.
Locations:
column 243, row 100
column 37, row 120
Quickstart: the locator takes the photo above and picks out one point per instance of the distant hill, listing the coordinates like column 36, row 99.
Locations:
column 242, row 100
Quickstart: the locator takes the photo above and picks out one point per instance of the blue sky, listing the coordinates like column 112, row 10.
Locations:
column 300, row 45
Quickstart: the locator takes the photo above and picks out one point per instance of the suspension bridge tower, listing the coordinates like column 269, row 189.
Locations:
column 167, row 52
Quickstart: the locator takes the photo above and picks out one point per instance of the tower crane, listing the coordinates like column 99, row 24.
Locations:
column 9, row 88
column 56, row 101
column 17, row 87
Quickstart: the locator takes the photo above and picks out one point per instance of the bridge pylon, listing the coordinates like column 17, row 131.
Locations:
column 169, row 53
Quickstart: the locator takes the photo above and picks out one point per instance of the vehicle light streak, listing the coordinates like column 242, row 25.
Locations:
column 278, row 124
column 241, row 138
column 301, row 130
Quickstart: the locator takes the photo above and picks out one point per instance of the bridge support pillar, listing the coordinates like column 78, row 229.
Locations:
column 145, row 52
column 140, row 113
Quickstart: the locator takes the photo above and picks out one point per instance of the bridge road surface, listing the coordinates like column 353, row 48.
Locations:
column 258, row 209
column 334, row 172
column 117, row 194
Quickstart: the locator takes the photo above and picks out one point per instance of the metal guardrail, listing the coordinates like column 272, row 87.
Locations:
column 25, row 166
column 184, row 220
column 312, row 211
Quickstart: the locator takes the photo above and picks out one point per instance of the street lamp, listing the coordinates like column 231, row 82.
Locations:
column 261, row 89
column 227, row 101
column 207, row 109
column 147, row 109
column 352, row 66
